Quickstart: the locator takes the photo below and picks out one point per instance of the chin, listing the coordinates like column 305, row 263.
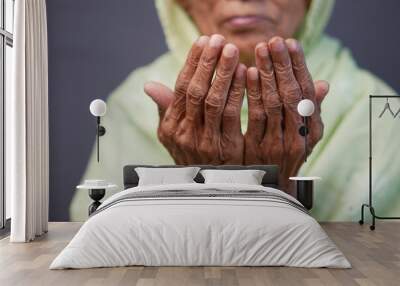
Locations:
column 246, row 42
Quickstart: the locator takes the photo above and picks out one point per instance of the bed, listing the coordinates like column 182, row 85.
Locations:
column 199, row 224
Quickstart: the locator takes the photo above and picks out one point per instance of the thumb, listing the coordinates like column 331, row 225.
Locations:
column 160, row 94
column 321, row 90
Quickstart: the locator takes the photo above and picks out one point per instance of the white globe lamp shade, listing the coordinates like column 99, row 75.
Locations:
column 98, row 107
column 305, row 107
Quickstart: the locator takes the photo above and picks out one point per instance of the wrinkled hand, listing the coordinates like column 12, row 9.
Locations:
column 274, row 89
column 200, row 119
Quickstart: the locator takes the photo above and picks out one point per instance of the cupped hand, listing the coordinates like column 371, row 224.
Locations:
column 274, row 89
column 200, row 119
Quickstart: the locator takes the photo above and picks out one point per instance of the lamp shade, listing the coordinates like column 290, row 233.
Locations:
column 305, row 107
column 98, row 107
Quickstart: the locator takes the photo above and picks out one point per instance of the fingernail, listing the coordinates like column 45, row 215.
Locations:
column 229, row 50
column 326, row 86
column 240, row 71
column 148, row 87
column 262, row 50
column 253, row 73
column 216, row 41
column 202, row 41
column 292, row 45
column 277, row 44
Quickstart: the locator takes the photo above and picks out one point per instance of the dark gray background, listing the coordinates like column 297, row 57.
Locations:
column 94, row 44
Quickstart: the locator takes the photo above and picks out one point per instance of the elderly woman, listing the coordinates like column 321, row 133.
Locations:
column 230, row 97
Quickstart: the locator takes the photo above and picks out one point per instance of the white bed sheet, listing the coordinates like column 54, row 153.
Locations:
column 200, row 231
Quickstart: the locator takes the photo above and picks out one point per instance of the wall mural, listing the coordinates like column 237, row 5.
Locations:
column 260, row 86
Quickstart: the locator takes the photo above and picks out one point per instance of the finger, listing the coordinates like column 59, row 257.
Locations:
column 231, row 125
column 256, row 113
column 316, row 124
column 317, row 91
column 310, row 90
column 321, row 91
column 160, row 94
column 184, row 77
column 216, row 98
column 201, row 80
column 289, row 89
column 300, row 69
column 270, row 96
column 163, row 96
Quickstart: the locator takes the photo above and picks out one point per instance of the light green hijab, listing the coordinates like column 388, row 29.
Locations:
column 340, row 158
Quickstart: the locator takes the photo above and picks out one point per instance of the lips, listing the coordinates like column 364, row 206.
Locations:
column 245, row 22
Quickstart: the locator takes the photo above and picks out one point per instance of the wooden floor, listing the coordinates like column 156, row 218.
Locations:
column 375, row 257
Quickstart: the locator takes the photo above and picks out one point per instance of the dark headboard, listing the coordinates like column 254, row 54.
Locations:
column 270, row 179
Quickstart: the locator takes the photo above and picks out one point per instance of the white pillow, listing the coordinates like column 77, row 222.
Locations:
column 164, row 176
column 248, row 177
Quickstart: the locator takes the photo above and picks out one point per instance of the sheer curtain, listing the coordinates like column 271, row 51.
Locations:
column 27, row 124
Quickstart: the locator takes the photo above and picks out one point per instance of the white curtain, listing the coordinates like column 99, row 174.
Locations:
column 27, row 155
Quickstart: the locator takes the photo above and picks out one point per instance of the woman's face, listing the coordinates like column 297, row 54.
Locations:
column 245, row 23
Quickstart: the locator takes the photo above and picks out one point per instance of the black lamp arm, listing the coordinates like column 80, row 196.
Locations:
column 100, row 131
column 303, row 131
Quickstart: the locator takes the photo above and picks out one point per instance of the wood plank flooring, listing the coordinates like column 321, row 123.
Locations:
column 375, row 257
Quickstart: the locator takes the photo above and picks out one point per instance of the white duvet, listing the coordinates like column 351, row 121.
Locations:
column 200, row 231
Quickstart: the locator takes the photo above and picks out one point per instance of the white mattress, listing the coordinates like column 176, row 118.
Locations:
column 191, row 231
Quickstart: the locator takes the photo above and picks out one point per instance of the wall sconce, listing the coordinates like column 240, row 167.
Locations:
column 98, row 108
column 305, row 108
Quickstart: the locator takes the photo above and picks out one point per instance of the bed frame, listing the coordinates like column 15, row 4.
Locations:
column 270, row 179
column 131, row 178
